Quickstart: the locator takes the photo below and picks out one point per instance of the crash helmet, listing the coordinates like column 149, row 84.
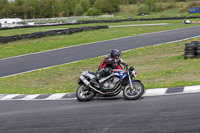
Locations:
column 115, row 53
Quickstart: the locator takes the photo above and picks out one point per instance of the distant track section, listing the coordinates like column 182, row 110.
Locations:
column 97, row 21
column 20, row 64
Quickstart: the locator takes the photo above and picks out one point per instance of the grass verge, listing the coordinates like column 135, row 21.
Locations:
column 54, row 42
column 157, row 66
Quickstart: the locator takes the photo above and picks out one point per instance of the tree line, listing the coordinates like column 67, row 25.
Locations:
column 27, row 9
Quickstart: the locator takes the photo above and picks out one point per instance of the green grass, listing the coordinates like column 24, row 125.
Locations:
column 60, row 41
column 174, row 9
column 157, row 66
column 163, row 14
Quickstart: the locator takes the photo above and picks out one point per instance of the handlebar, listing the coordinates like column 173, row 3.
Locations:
column 126, row 67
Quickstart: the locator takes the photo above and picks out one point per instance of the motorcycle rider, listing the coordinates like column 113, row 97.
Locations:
column 110, row 62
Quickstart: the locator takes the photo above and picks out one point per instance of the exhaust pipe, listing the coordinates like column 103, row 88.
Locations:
column 107, row 93
column 85, row 81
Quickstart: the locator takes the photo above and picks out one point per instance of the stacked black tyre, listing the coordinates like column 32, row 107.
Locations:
column 198, row 49
column 192, row 49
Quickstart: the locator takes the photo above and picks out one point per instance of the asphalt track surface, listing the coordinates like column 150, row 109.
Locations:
column 35, row 61
column 161, row 114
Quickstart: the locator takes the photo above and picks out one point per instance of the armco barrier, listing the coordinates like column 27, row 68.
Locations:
column 49, row 33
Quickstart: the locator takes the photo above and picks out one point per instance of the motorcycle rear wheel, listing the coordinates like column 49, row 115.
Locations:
column 84, row 94
column 130, row 94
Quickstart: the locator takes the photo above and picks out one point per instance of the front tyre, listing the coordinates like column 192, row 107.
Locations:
column 133, row 94
column 84, row 94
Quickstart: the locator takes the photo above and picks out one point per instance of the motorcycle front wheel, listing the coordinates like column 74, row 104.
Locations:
column 84, row 94
column 133, row 94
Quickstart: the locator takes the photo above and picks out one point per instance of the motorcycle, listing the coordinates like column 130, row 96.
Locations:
column 110, row 85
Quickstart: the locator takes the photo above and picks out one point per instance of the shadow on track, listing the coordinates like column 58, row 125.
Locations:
column 100, row 98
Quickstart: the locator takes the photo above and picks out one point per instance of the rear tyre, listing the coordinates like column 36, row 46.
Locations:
column 138, row 91
column 84, row 94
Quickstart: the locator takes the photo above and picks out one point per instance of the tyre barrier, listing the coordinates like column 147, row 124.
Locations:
column 49, row 33
column 192, row 50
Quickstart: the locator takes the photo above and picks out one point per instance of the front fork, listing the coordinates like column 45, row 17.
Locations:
column 130, row 80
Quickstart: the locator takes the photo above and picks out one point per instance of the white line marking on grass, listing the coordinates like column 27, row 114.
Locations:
column 138, row 25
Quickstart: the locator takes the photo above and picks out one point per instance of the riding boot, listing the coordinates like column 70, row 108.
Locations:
column 94, row 80
column 97, row 76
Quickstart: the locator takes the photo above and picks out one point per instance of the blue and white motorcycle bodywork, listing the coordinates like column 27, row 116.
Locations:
column 110, row 85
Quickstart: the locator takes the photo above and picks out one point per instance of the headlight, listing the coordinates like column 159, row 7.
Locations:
column 134, row 73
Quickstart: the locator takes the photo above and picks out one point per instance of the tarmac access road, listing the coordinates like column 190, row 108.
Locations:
column 21, row 64
column 158, row 114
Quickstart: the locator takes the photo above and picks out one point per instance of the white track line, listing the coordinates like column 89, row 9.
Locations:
column 95, row 42
column 95, row 57
column 92, row 57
